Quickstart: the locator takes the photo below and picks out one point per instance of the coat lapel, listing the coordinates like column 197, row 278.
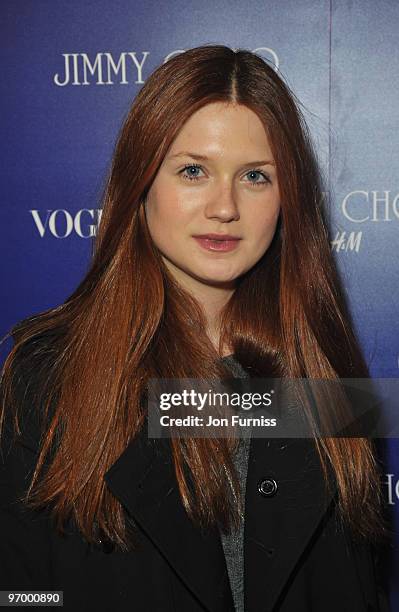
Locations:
column 143, row 480
column 278, row 529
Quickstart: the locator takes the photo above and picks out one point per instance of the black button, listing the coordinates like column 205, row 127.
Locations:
column 267, row 487
column 106, row 546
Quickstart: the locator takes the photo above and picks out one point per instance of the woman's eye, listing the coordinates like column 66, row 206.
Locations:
column 191, row 172
column 257, row 173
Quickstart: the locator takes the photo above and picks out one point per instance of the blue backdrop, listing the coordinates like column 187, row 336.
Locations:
column 70, row 72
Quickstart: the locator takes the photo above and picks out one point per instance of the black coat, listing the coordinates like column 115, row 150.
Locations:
column 296, row 558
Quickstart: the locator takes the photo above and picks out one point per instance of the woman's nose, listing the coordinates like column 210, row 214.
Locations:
column 222, row 204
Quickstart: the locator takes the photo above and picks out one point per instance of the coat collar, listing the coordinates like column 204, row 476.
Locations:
column 275, row 539
column 143, row 480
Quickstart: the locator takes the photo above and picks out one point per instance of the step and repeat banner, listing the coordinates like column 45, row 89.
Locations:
column 70, row 70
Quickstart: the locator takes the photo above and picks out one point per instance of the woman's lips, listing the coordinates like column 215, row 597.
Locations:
column 217, row 245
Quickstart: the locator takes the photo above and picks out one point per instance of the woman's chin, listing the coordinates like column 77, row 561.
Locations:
column 226, row 282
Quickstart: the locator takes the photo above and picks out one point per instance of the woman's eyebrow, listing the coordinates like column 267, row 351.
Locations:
column 263, row 162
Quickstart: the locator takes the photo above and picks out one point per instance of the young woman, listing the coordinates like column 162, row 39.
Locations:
column 212, row 256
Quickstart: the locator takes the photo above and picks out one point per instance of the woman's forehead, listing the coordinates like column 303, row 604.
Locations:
column 218, row 130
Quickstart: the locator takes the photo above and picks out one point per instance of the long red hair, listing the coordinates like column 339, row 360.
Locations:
column 129, row 321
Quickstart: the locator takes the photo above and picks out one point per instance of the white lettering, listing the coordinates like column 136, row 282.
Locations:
column 393, row 491
column 36, row 217
column 78, row 226
column 344, row 206
column 138, row 65
column 121, row 63
column 378, row 203
column 97, row 66
column 72, row 222
column 68, row 219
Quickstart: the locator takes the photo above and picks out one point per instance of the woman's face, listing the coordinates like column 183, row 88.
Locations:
column 217, row 177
